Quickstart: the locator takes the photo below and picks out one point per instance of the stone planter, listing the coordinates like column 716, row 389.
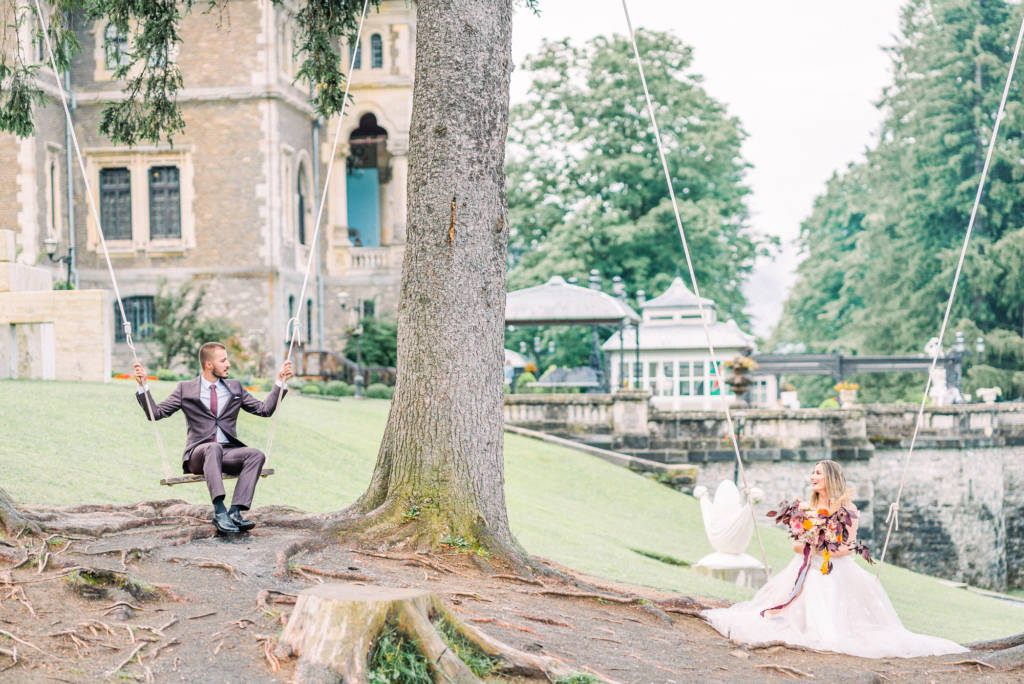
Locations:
column 847, row 398
column 790, row 399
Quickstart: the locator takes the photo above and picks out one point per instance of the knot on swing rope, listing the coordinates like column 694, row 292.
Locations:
column 893, row 516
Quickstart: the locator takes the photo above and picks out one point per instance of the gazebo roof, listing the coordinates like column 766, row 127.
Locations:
column 556, row 302
column 683, row 337
column 677, row 296
column 582, row 376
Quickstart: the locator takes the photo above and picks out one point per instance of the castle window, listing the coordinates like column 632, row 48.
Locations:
column 164, row 202
column 376, row 51
column 355, row 56
column 53, row 197
column 114, row 48
column 309, row 320
column 141, row 313
column 40, row 42
column 301, row 203
column 116, row 203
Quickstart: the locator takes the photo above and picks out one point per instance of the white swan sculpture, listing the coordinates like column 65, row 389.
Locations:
column 729, row 527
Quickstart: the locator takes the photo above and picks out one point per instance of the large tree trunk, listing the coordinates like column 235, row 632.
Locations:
column 442, row 450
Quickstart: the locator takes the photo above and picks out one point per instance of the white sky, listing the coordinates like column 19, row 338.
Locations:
column 801, row 75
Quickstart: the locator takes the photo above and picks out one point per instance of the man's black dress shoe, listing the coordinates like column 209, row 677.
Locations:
column 240, row 522
column 224, row 524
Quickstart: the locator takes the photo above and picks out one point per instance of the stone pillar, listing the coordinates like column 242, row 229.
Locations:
column 398, row 146
column 337, row 213
column 629, row 419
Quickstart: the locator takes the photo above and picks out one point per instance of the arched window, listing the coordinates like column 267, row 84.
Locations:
column 301, row 202
column 114, row 48
column 309, row 320
column 376, row 51
column 355, row 56
column 367, row 168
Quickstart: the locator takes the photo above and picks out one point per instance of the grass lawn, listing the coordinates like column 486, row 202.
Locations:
column 66, row 443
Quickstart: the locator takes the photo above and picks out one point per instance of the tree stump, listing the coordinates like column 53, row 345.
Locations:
column 334, row 627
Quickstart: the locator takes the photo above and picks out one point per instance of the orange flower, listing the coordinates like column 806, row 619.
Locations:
column 808, row 524
column 839, row 538
column 823, row 512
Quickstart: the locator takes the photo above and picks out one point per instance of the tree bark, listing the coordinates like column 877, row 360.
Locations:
column 442, row 449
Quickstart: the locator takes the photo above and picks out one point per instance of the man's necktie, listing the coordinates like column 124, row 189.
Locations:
column 213, row 399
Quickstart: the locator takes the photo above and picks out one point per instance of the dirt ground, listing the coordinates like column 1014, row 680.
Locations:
column 210, row 608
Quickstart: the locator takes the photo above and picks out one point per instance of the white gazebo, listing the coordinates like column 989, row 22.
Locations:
column 673, row 362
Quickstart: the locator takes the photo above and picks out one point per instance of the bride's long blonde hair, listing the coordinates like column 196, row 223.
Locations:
column 836, row 491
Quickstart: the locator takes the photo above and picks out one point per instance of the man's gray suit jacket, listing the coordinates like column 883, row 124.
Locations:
column 202, row 425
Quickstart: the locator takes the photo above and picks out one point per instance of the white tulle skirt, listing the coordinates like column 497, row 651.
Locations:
column 846, row 611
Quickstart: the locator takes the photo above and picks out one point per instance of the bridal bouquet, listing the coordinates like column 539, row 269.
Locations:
column 821, row 531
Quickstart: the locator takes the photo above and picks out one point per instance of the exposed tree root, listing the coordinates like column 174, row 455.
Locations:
column 791, row 672
column 347, row 576
column 544, row 620
column 517, row 578
column 21, row 641
column 418, row 559
column 14, row 523
column 208, row 563
column 1012, row 657
column 334, row 627
column 997, row 644
column 285, row 555
column 268, row 596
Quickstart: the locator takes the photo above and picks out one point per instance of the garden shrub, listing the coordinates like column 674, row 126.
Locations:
column 311, row 388
column 338, row 388
column 379, row 391
column 166, row 374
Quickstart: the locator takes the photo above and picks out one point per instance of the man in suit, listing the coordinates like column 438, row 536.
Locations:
column 211, row 403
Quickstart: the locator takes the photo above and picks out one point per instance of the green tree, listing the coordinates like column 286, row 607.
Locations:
column 585, row 186
column 881, row 245
column 380, row 342
column 180, row 328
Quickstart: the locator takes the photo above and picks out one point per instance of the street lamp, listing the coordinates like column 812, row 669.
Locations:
column 51, row 249
column 355, row 324
column 959, row 352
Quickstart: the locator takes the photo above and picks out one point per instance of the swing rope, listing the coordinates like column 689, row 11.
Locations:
column 693, row 280
column 292, row 332
column 125, row 323
column 892, row 518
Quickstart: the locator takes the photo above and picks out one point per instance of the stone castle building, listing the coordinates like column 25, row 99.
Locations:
column 232, row 203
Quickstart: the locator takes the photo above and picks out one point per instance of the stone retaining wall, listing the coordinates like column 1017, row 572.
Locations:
column 962, row 509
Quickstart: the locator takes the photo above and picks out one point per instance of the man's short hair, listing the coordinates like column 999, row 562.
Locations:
column 206, row 352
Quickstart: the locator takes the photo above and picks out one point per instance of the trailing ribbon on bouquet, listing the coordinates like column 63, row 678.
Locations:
column 798, row 586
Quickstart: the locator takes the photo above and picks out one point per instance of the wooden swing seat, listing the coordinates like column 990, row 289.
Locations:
column 185, row 479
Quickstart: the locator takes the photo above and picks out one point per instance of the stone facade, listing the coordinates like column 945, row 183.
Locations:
column 248, row 179
column 962, row 505
column 49, row 334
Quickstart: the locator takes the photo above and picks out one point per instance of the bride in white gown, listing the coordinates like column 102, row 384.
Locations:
column 846, row 611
